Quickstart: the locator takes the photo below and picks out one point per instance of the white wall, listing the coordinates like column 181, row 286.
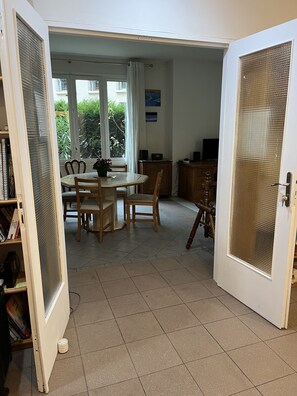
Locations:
column 196, row 108
column 216, row 21
column 159, row 134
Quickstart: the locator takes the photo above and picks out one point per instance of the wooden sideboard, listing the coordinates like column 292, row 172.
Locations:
column 191, row 178
column 151, row 168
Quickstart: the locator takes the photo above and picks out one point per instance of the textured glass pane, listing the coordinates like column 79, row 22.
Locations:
column 88, row 112
column 263, row 89
column 35, row 101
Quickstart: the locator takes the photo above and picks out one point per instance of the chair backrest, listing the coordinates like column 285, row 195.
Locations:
column 158, row 184
column 88, row 189
column 75, row 166
column 119, row 168
column 209, row 188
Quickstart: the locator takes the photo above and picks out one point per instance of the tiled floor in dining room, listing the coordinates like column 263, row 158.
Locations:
column 151, row 321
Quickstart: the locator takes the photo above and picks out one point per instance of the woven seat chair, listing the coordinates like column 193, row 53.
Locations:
column 90, row 201
column 151, row 200
column 69, row 195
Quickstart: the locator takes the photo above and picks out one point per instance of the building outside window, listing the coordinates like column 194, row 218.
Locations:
column 95, row 126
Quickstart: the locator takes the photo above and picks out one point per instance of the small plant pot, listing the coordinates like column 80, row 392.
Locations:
column 102, row 172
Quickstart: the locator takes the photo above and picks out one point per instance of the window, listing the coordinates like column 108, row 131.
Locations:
column 61, row 84
column 121, row 86
column 93, row 85
column 97, row 124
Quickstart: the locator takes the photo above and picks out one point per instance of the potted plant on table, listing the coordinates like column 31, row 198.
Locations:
column 102, row 166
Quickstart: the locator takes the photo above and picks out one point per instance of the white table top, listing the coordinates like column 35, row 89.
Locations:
column 113, row 180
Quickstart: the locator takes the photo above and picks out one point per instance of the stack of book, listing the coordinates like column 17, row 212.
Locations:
column 9, row 223
column 7, row 185
column 18, row 317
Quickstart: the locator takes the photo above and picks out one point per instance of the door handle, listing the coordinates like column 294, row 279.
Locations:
column 286, row 197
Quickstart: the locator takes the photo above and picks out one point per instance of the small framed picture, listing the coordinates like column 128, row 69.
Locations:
column 153, row 97
column 151, row 116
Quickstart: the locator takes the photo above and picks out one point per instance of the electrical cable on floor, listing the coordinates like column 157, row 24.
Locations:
column 71, row 308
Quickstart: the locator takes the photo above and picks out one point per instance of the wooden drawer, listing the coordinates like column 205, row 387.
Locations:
column 191, row 178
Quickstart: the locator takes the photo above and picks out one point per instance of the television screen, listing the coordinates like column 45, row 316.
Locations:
column 210, row 149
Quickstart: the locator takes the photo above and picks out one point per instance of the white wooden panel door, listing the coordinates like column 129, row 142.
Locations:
column 26, row 73
column 256, row 223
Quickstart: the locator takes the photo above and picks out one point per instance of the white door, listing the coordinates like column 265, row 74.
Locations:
column 26, row 73
column 256, row 222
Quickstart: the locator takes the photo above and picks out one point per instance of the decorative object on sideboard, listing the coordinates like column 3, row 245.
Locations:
column 157, row 157
column 143, row 155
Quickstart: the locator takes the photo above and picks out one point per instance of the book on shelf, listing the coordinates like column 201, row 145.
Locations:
column 9, row 223
column 5, row 221
column 4, row 148
column 14, row 228
column 7, row 184
column 18, row 312
column 13, row 331
column 1, row 174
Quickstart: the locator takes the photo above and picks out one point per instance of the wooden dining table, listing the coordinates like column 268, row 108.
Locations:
column 109, row 185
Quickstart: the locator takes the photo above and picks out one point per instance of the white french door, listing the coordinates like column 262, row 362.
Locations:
column 26, row 74
column 255, row 213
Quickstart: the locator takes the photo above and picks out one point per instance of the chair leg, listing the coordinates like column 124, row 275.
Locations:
column 112, row 218
column 128, row 216
column 65, row 211
column 133, row 213
column 124, row 203
column 101, row 227
column 155, row 219
column 158, row 214
column 78, row 227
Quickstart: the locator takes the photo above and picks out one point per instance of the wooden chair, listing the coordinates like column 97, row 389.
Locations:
column 207, row 212
column 90, row 200
column 68, row 198
column 121, row 191
column 69, row 195
column 75, row 166
column 151, row 200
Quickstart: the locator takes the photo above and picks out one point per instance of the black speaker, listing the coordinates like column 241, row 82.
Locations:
column 196, row 156
column 143, row 155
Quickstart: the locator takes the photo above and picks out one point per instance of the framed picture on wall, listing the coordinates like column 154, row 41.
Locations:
column 153, row 97
column 151, row 116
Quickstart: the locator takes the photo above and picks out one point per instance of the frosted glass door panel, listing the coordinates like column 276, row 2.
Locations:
column 263, row 87
column 37, row 120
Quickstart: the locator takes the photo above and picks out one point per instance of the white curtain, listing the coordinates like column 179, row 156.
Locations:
column 135, row 128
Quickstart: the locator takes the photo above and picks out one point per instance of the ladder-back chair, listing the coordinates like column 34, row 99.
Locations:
column 90, row 200
column 151, row 200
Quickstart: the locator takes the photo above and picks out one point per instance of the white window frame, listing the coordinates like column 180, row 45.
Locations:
column 73, row 115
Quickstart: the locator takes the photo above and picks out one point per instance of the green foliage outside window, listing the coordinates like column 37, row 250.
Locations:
column 116, row 119
column 89, row 129
column 63, row 129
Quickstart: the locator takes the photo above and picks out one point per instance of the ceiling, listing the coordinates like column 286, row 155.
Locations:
column 66, row 44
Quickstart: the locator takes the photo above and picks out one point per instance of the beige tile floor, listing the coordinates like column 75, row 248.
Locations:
column 149, row 320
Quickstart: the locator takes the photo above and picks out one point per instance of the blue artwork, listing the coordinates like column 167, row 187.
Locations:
column 152, row 97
